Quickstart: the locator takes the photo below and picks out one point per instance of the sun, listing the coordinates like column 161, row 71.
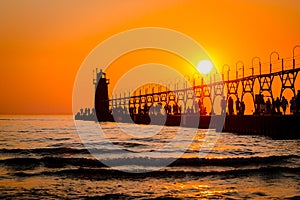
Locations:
column 204, row 66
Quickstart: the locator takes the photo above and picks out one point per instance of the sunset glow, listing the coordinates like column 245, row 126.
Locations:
column 43, row 43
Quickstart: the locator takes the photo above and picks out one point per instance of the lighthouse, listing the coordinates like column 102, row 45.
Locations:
column 101, row 96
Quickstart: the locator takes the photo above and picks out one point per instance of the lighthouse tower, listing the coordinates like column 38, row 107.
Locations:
column 101, row 96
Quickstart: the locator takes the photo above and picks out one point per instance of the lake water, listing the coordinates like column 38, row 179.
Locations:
column 43, row 157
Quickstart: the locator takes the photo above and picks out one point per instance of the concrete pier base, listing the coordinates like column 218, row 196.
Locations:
column 273, row 126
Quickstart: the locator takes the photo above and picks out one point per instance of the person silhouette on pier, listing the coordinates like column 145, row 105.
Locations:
column 284, row 104
column 93, row 112
column 277, row 105
column 230, row 106
column 78, row 115
column 293, row 105
column 146, row 109
column 243, row 107
column 298, row 102
column 131, row 111
column 262, row 105
column 237, row 106
column 223, row 105
column 175, row 109
column 166, row 109
column 273, row 108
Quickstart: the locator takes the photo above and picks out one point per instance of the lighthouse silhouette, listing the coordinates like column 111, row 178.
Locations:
column 101, row 96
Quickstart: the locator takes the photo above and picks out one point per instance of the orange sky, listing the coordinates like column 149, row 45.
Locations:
column 43, row 43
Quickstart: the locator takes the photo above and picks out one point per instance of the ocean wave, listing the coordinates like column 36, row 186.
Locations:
column 49, row 162
column 105, row 173
column 238, row 161
column 58, row 162
column 50, row 151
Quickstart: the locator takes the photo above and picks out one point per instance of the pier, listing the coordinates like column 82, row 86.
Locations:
column 158, row 104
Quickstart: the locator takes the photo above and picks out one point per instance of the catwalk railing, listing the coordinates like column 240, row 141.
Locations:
column 190, row 99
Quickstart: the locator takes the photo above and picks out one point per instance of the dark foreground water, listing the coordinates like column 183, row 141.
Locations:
column 43, row 157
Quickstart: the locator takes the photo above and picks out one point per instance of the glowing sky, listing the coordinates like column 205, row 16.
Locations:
column 43, row 43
